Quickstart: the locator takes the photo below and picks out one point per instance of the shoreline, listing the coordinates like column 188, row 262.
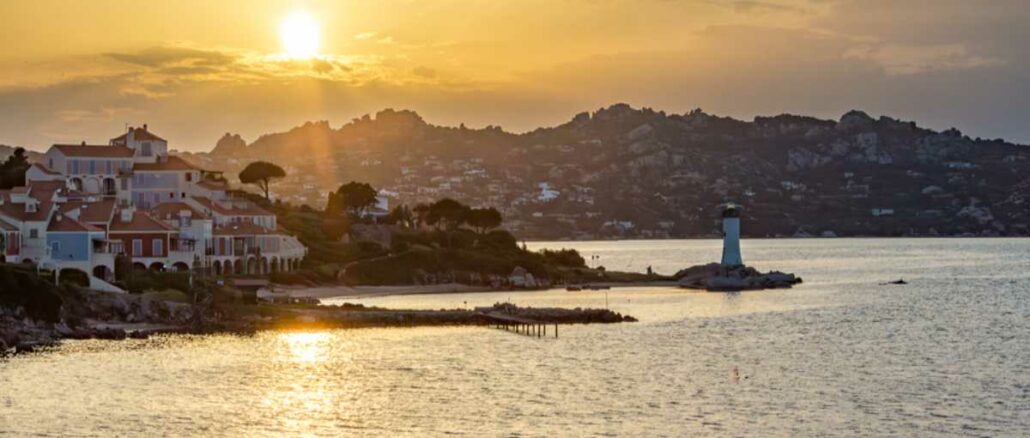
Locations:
column 250, row 319
column 326, row 292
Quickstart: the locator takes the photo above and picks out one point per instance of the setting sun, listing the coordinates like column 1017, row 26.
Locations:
column 299, row 33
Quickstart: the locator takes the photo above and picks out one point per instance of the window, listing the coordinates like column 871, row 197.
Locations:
column 189, row 177
column 50, row 163
column 75, row 166
column 107, row 167
column 158, row 246
column 137, row 247
column 55, row 249
column 33, row 233
column 92, row 167
column 146, row 149
column 125, row 183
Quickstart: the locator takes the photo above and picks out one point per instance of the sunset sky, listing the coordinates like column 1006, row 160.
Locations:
column 195, row 69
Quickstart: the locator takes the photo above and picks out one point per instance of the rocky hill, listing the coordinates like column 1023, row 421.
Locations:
column 625, row 172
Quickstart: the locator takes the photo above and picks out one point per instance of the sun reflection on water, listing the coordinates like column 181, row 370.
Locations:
column 306, row 347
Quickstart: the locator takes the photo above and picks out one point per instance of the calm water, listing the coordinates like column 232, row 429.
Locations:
column 947, row 355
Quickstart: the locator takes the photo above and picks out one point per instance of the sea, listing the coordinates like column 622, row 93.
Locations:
column 843, row 354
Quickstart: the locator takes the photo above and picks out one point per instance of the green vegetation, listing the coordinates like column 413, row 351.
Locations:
column 354, row 198
column 261, row 173
column 169, row 295
column 44, row 301
column 12, row 171
column 445, row 241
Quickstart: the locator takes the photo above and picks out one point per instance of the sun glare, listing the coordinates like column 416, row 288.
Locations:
column 299, row 33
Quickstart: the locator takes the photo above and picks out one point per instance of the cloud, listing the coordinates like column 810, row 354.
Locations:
column 90, row 115
column 757, row 6
column 174, row 56
column 896, row 59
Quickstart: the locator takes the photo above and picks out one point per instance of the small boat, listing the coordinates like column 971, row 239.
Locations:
column 573, row 288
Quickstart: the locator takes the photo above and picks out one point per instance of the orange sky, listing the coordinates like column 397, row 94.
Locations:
column 193, row 70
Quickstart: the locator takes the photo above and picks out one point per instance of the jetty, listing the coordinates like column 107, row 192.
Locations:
column 522, row 326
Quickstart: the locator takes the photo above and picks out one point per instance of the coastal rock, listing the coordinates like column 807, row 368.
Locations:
column 715, row 277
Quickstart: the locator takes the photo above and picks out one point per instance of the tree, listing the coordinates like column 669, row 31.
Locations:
column 447, row 212
column 421, row 213
column 400, row 215
column 354, row 197
column 261, row 173
column 12, row 171
column 484, row 219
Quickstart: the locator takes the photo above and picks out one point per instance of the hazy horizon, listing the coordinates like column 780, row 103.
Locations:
column 520, row 65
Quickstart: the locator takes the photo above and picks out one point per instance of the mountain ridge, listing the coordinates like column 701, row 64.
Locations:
column 627, row 172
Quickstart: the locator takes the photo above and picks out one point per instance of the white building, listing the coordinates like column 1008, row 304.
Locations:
column 85, row 204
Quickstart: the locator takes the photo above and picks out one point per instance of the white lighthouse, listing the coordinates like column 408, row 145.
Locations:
column 731, row 235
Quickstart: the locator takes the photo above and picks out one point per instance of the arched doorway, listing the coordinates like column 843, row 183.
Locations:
column 74, row 276
column 238, row 267
column 252, row 266
column 91, row 185
column 217, row 266
column 274, row 265
column 263, row 267
column 102, row 272
column 76, row 184
column 180, row 267
column 157, row 266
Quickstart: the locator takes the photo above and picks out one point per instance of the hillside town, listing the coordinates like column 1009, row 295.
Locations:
column 83, row 206
column 622, row 172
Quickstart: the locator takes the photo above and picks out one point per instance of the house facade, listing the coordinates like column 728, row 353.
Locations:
column 84, row 205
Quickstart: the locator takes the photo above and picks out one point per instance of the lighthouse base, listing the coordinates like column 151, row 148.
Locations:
column 719, row 278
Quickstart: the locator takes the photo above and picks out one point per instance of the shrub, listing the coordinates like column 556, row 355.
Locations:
column 20, row 287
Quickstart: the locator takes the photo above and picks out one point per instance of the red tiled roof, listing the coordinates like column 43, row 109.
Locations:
column 45, row 169
column 170, row 210
column 243, row 228
column 6, row 226
column 47, row 186
column 139, row 134
column 141, row 222
column 99, row 212
column 61, row 223
column 17, row 211
column 98, row 151
column 170, row 163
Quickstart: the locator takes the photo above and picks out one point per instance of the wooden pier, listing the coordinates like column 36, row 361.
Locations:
column 522, row 326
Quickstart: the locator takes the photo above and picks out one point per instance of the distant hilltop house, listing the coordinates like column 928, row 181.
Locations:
column 83, row 205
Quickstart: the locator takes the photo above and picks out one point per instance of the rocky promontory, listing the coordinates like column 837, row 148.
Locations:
column 719, row 278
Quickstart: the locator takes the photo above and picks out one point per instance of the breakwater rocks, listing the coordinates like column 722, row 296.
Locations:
column 93, row 315
column 355, row 316
column 715, row 277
